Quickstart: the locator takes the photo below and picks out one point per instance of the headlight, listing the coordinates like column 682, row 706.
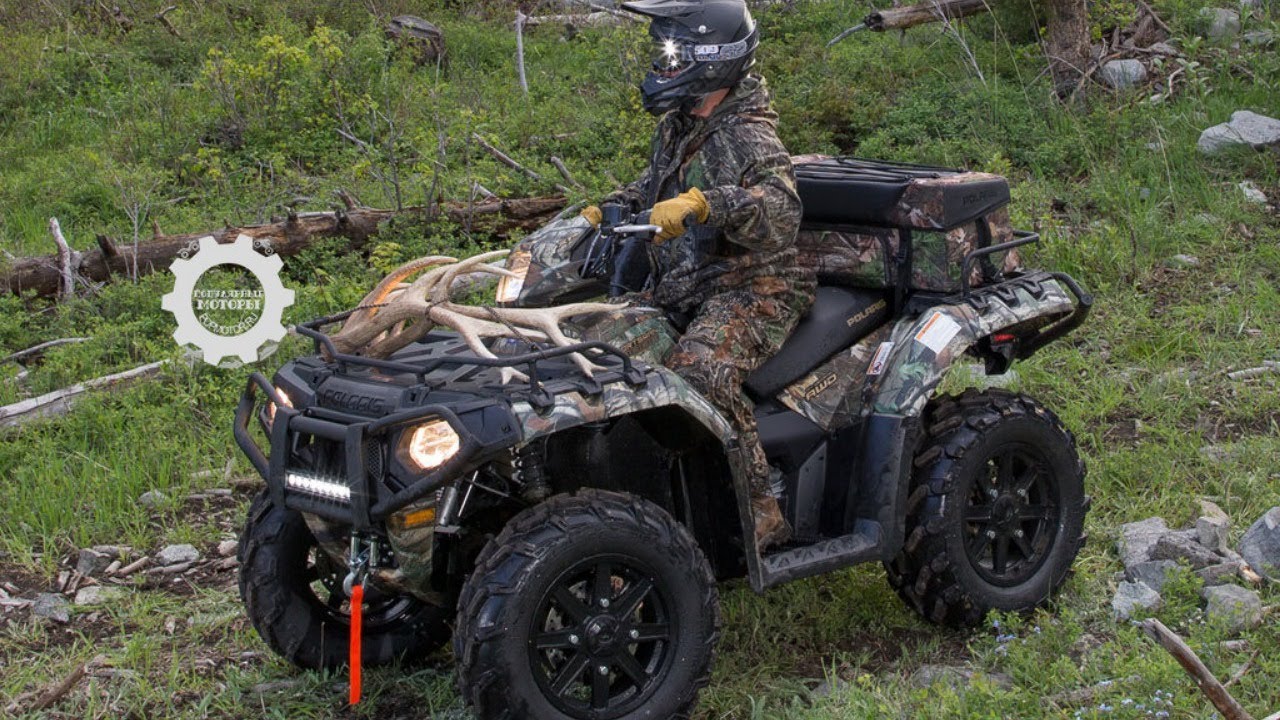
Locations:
column 429, row 446
column 271, row 406
column 509, row 287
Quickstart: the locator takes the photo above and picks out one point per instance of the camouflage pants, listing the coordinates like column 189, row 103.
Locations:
column 732, row 334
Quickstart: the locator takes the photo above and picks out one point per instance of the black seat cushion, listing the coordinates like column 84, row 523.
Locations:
column 850, row 191
column 839, row 318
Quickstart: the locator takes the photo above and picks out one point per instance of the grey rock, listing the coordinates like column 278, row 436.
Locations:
column 1153, row 573
column 98, row 595
column 1210, row 509
column 1138, row 539
column 1211, row 532
column 1183, row 545
column 826, row 688
column 1249, row 5
column 175, row 554
column 1259, row 38
column 90, row 562
column 1252, row 193
column 227, row 548
column 1219, row 574
column 1260, row 546
column 152, row 499
column 1181, row 261
column 1244, row 128
column 956, row 676
column 1221, row 23
column 1132, row 597
column 1164, row 48
column 52, row 606
column 1235, row 607
column 1123, row 74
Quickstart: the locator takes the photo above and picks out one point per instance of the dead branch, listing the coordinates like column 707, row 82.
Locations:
column 161, row 18
column 520, row 21
column 35, row 350
column 1267, row 366
column 66, row 263
column 59, row 402
column 56, row 692
column 482, row 191
column 357, row 224
column 1208, row 684
column 564, row 172
column 132, row 567
column 1235, row 676
column 506, row 160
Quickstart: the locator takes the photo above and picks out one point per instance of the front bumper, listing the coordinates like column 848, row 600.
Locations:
column 482, row 431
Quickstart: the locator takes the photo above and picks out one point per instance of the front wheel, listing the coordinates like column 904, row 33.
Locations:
column 592, row 606
column 293, row 593
column 996, row 511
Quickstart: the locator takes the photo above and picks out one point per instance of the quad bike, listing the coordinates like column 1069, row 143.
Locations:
column 537, row 483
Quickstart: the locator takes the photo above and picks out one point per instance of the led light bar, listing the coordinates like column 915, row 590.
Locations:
column 316, row 486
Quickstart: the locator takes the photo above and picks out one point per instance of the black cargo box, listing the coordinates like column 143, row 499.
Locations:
column 853, row 191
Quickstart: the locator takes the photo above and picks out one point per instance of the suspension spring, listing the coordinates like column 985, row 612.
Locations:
column 532, row 474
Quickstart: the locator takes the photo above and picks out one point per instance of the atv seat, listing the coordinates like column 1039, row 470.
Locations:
column 840, row 316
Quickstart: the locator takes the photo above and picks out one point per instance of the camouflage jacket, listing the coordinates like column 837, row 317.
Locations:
column 735, row 158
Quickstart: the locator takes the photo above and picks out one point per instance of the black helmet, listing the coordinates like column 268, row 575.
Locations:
column 699, row 47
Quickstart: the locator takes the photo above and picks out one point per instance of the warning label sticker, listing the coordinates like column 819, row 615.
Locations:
column 880, row 358
column 937, row 332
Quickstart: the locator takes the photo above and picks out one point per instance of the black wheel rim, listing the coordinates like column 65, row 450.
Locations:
column 1012, row 515
column 602, row 638
column 323, row 580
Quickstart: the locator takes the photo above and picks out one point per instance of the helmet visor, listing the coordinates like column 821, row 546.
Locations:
column 671, row 57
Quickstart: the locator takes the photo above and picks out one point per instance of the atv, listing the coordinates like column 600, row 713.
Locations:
column 565, row 509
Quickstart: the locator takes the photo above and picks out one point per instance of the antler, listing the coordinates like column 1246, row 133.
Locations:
column 394, row 314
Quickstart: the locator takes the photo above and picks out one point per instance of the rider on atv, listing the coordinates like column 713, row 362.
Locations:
column 721, row 185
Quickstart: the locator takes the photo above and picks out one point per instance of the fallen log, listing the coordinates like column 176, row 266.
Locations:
column 909, row 16
column 289, row 237
column 59, row 401
column 901, row 18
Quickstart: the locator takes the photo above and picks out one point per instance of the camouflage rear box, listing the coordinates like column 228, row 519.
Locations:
column 856, row 213
column 863, row 256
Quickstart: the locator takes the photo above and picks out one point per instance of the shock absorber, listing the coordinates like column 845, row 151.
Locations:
column 531, row 473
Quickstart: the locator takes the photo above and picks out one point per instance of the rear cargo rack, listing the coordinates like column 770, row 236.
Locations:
column 539, row 397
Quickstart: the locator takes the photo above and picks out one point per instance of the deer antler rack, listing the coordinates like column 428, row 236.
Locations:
column 396, row 313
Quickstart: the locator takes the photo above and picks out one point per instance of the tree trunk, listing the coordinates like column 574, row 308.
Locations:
column 1067, row 43
column 41, row 274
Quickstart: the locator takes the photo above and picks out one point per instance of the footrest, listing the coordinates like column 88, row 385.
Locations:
column 861, row 546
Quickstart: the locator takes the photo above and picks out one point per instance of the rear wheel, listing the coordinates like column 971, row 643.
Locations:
column 293, row 593
column 597, row 605
column 996, row 511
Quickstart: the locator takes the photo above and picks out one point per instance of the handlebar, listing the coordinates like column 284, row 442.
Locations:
column 636, row 229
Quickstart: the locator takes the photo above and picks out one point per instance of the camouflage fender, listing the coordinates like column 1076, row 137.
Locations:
column 907, row 367
column 663, row 389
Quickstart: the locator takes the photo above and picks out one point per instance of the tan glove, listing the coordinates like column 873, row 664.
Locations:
column 672, row 214
column 592, row 214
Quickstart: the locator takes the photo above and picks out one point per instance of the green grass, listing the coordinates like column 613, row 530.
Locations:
column 92, row 122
